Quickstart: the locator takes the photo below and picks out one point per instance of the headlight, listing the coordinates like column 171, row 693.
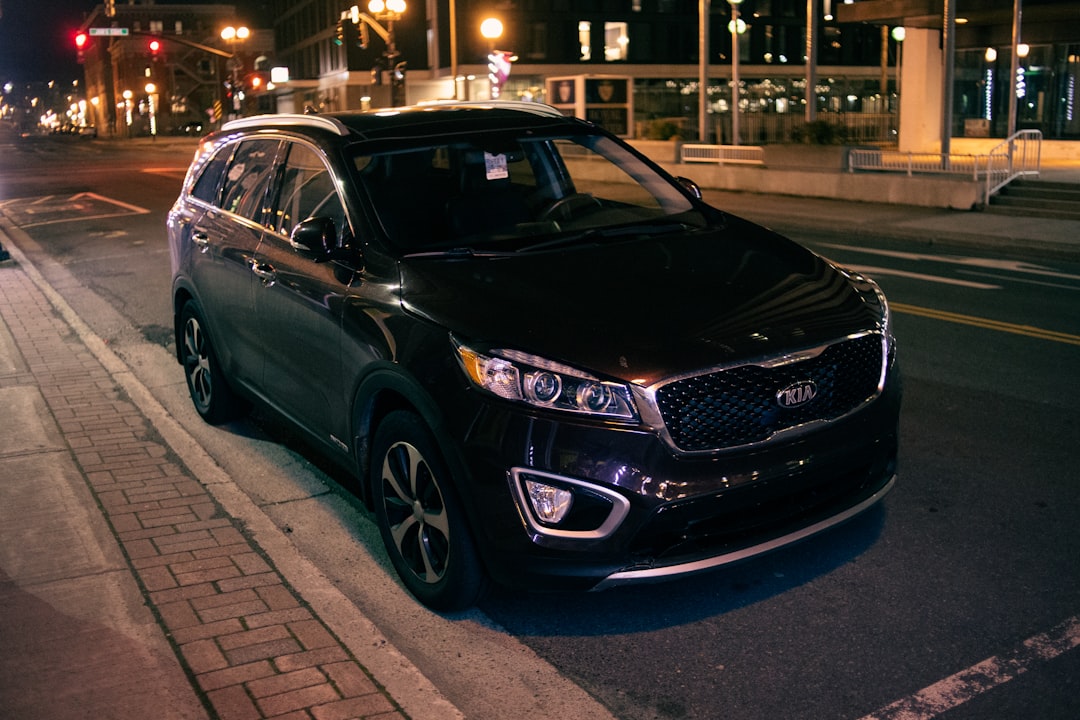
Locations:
column 542, row 383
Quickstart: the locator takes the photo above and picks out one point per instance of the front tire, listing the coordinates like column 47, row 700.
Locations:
column 214, row 400
column 419, row 518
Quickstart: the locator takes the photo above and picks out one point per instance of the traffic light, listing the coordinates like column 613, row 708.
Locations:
column 154, row 46
column 339, row 36
column 80, row 46
column 364, row 37
column 257, row 81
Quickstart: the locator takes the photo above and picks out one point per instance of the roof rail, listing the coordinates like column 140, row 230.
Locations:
column 294, row 119
column 535, row 108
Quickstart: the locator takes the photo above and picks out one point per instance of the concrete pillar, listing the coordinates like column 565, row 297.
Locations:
column 920, row 92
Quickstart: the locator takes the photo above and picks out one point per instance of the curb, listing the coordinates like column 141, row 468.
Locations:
column 213, row 568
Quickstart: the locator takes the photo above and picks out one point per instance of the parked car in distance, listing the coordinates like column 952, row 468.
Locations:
column 547, row 362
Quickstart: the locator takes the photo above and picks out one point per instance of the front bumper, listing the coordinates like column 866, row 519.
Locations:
column 677, row 515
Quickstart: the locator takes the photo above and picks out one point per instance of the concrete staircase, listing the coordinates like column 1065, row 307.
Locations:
column 1042, row 198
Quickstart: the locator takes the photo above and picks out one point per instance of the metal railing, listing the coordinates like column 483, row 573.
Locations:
column 723, row 154
column 1016, row 156
column 1020, row 155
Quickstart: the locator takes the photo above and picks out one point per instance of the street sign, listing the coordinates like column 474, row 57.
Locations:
column 110, row 31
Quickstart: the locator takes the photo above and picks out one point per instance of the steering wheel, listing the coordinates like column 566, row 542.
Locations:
column 566, row 207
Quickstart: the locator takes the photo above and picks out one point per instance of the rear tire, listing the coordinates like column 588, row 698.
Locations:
column 419, row 517
column 214, row 400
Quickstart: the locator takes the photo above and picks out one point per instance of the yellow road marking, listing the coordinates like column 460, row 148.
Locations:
column 998, row 325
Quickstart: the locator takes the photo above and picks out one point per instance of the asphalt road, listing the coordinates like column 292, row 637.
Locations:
column 961, row 589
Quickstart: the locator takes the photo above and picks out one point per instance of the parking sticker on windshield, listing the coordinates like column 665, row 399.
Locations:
column 495, row 166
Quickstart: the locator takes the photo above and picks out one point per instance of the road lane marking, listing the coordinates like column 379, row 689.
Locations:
column 1000, row 326
column 119, row 203
column 875, row 271
column 955, row 690
column 53, row 209
column 988, row 263
column 1026, row 281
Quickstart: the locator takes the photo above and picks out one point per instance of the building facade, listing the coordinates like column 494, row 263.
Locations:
column 165, row 69
column 652, row 44
column 841, row 81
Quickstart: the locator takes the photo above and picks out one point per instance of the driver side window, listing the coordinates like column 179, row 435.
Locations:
column 307, row 191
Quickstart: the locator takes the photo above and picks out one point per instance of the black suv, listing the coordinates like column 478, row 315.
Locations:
column 546, row 360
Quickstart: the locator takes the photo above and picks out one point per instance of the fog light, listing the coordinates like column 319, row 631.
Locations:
column 548, row 502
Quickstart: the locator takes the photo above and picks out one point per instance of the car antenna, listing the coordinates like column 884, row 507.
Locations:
column 310, row 110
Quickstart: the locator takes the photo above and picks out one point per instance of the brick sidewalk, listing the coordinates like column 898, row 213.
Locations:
column 250, row 646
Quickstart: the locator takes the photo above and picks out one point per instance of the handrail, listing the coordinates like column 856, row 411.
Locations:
column 1016, row 164
column 1018, row 155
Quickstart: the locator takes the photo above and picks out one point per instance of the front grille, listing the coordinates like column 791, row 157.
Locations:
column 738, row 406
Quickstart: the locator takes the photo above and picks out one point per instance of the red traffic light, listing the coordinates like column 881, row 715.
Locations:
column 81, row 39
column 155, row 46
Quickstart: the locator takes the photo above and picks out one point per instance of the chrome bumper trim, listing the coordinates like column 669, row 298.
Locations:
column 654, row 574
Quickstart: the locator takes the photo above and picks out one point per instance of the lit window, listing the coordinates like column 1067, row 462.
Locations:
column 616, row 41
column 584, row 31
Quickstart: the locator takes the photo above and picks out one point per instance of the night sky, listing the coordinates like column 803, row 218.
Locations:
column 37, row 37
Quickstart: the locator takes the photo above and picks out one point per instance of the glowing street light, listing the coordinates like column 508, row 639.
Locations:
column 491, row 29
column 233, row 35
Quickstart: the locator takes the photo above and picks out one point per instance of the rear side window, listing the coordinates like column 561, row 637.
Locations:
column 248, row 178
column 208, row 185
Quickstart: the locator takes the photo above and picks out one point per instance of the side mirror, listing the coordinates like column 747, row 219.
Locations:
column 317, row 236
column 690, row 185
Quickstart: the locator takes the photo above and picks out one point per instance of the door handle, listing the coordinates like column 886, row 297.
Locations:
column 201, row 239
column 264, row 272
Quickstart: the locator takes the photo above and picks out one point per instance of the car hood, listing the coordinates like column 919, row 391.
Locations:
column 646, row 308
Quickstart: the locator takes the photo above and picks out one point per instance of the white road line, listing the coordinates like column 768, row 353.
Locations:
column 988, row 263
column 118, row 203
column 968, row 684
column 1019, row 280
column 876, row 271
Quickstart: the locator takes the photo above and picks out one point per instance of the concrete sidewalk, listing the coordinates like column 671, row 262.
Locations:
column 1029, row 238
column 129, row 587
column 135, row 583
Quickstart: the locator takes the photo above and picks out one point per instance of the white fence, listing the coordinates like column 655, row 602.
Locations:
column 723, row 154
column 1018, row 156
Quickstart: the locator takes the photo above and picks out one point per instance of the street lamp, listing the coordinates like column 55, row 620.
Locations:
column 703, row 70
column 498, row 60
column 492, row 29
column 233, row 35
column 390, row 11
column 734, row 27
column 899, row 34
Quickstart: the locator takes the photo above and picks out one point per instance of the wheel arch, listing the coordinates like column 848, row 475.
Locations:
column 182, row 294
column 384, row 389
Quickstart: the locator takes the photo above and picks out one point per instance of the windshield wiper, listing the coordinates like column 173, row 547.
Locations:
column 457, row 252
column 608, row 233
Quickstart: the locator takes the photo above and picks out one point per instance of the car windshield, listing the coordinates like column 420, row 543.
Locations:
column 516, row 192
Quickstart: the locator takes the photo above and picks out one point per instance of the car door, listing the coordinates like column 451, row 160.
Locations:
column 298, row 300
column 226, row 234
